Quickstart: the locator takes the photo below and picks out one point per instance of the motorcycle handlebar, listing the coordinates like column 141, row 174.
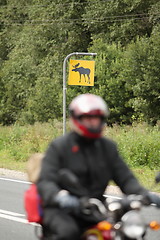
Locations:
column 98, row 204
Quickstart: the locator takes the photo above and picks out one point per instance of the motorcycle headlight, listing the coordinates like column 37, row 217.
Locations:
column 133, row 224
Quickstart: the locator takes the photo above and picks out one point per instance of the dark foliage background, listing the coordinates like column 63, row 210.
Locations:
column 36, row 36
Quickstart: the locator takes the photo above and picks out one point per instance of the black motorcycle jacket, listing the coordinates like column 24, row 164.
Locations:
column 95, row 162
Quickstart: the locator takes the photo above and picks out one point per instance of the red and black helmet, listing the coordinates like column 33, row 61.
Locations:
column 88, row 105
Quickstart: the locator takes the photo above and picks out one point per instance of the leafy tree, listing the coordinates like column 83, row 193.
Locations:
column 119, row 20
column 154, row 14
column 19, row 75
column 142, row 77
column 42, row 105
column 12, row 16
column 46, row 35
column 109, row 84
column 36, row 36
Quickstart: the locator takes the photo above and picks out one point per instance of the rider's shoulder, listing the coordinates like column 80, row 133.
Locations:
column 61, row 140
column 108, row 142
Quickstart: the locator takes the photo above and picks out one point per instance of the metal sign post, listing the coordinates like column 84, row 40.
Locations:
column 65, row 85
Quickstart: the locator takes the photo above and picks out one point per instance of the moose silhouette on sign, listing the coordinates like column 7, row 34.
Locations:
column 82, row 71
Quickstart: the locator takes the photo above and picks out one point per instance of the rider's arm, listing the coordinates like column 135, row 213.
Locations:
column 48, row 181
column 122, row 175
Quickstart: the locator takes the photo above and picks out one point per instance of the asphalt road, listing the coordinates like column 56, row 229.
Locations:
column 13, row 223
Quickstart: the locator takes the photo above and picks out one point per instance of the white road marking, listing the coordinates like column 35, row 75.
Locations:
column 11, row 213
column 14, row 180
column 17, row 219
column 16, row 216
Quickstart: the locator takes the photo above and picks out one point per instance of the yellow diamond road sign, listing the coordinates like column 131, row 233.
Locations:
column 81, row 72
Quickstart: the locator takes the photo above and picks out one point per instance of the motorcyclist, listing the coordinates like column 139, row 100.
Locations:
column 95, row 161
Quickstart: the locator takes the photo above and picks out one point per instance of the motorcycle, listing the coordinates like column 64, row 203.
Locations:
column 122, row 218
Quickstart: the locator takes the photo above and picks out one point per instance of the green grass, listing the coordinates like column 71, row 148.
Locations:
column 17, row 143
column 139, row 145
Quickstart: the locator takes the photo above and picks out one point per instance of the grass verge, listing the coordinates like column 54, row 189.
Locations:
column 139, row 145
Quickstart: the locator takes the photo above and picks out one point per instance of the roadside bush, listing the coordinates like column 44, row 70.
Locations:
column 139, row 144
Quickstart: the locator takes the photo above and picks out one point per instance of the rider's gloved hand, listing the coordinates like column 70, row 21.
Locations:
column 153, row 198
column 65, row 200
